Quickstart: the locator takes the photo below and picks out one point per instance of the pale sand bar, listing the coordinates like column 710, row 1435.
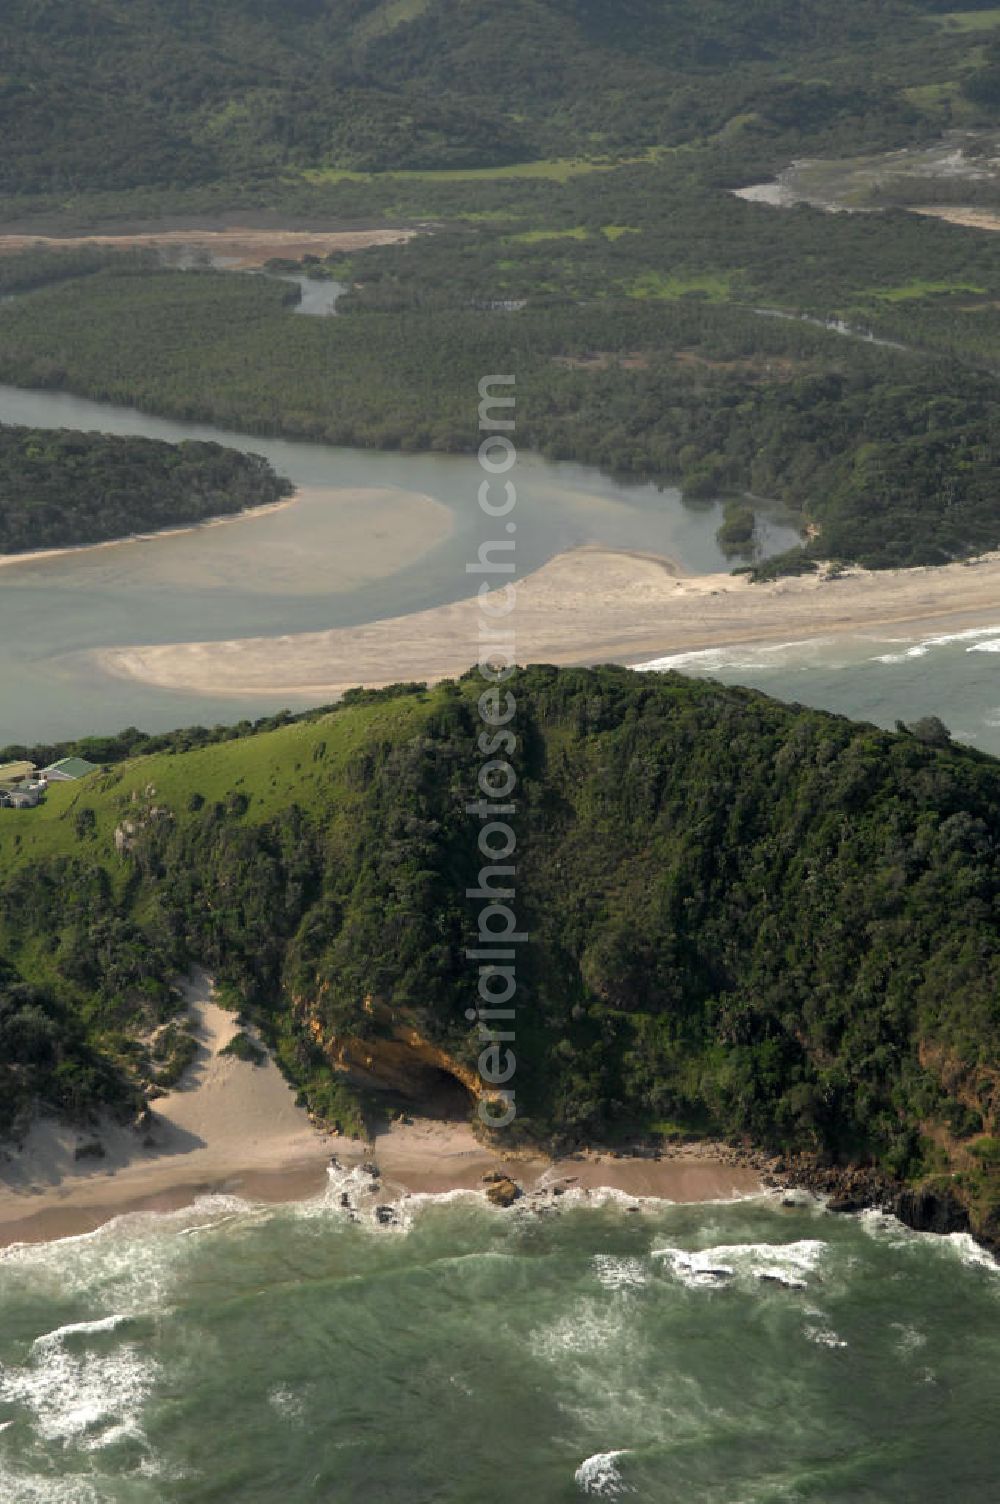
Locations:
column 587, row 606
column 379, row 532
column 242, row 248
column 234, row 1127
column 972, row 219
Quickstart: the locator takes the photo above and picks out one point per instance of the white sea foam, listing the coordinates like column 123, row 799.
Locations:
column 90, row 1398
column 945, row 639
column 745, row 656
column 824, row 1336
column 888, row 1229
column 993, row 646
column 287, row 1403
column 970, row 1253
column 619, row 1273
column 588, row 1328
column 599, row 1478
column 787, row 1264
column 22, row 1488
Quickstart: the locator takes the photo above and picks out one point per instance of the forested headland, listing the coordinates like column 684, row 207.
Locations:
column 748, row 919
column 62, row 489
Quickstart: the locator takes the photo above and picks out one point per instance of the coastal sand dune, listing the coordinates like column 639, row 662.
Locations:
column 228, row 1118
column 591, row 605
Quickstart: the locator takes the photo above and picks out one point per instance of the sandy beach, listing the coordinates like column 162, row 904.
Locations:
column 590, row 605
column 241, row 248
column 234, row 1127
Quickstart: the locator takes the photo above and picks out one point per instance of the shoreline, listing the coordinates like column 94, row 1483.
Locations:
column 232, row 1127
column 220, row 519
column 587, row 605
column 432, row 1158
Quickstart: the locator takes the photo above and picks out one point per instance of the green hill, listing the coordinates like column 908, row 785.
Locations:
column 746, row 919
column 106, row 95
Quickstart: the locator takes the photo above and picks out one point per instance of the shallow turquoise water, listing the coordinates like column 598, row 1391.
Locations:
column 715, row 1354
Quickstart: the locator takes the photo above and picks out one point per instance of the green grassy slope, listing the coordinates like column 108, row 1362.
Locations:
column 746, row 918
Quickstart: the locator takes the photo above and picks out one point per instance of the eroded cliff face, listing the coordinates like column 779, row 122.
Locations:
column 398, row 1060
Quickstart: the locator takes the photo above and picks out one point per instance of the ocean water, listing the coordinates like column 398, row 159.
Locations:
column 900, row 674
column 728, row 1353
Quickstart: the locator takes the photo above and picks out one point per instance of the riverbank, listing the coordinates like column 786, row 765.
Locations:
column 590, row 605
column 234, row 1127
column 35, row 555
column 242, row 248
column 379, row 532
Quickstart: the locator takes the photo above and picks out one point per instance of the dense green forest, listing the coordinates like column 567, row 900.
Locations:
column 240, row 92
column 746, row 919
column 62, row 488
column 891, row 453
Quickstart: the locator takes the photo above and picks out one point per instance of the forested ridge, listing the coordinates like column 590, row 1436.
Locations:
column 747, row 919
column 106, row 95
column 61, row 488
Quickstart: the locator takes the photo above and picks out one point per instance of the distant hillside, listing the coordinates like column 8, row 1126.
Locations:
column 62, row 489
column 98, row 94
column 746, row 919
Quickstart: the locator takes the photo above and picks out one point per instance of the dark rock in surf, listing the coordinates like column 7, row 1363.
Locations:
column 929, row 1209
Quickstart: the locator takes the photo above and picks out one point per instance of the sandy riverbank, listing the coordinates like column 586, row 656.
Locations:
column 233, row 1126
column 587, row 606
column 972, row 219
column 379, row 531
column 241, row 247
column 33, row 555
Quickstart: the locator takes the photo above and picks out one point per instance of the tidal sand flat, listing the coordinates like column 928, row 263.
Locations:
column 240, row 248
column 378, row 532
column 589, row 605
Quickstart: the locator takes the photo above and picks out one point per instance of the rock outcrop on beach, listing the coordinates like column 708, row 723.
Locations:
column 501, row 1190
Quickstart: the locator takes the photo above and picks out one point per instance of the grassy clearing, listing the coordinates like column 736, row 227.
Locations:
column 716, row 287
column 533, row 237
column 968, row 20
column 554, row 169
column 910, row 292
column 294, row 765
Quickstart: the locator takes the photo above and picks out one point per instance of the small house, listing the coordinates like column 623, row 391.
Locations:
column 16, row 772
column 24, row 798
column 67, row 769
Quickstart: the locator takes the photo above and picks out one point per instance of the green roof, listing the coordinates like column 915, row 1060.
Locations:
column 72, row 767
